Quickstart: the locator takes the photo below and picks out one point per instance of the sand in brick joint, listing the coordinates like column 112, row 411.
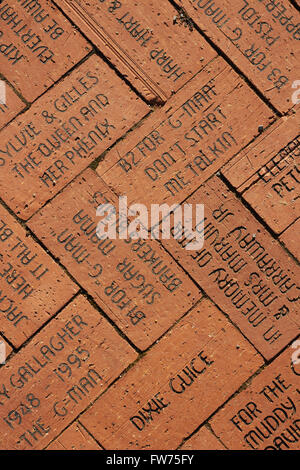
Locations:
column 74, row 437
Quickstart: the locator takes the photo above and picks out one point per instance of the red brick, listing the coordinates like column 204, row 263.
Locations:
column 262, row 43
column 151, row 48
column 268, row 176
column 81, row 116
column 168, row 171
column 246, row 272
column 291, row 239
column 137, row 283
column 203, row 440
column 41, row 45
column 264, row 415
column 63, row 376
column 227, row 361
column 74, row 437
column 11, row 108
column 5, row 350
column 32, row 286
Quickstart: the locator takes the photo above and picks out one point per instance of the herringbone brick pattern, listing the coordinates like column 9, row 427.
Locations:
column 143, row 344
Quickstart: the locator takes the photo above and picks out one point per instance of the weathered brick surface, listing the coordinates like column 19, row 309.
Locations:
column 176, row 386
column 12, row 106
column 260, row 37
column 266, row 414
column 38, row 45
column 63, row 132
column 203, row 440
column 58, row 374
column 32, row 286
column 74, row 437
column 138, row 285
column 291, row 239
column 149, row 344
column 188, row 140
column 267, row 173
column 244, row 270
column 150, row 46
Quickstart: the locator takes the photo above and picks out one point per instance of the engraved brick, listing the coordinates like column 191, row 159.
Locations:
column 37, row 45
column 12, row 106
column 136, row 282
column 264, row 415
column 268, row 174
column 63, row 132
column 65, row 367
column 188, row 140
column 246, row 272
column 175, row 386
column 150, row 44
column 74, row 437
column 291, row 239
column 260, row 38
column 32, row 286
column 203, row 440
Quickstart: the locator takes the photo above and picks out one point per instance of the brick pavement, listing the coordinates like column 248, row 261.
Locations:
column 143, row 344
